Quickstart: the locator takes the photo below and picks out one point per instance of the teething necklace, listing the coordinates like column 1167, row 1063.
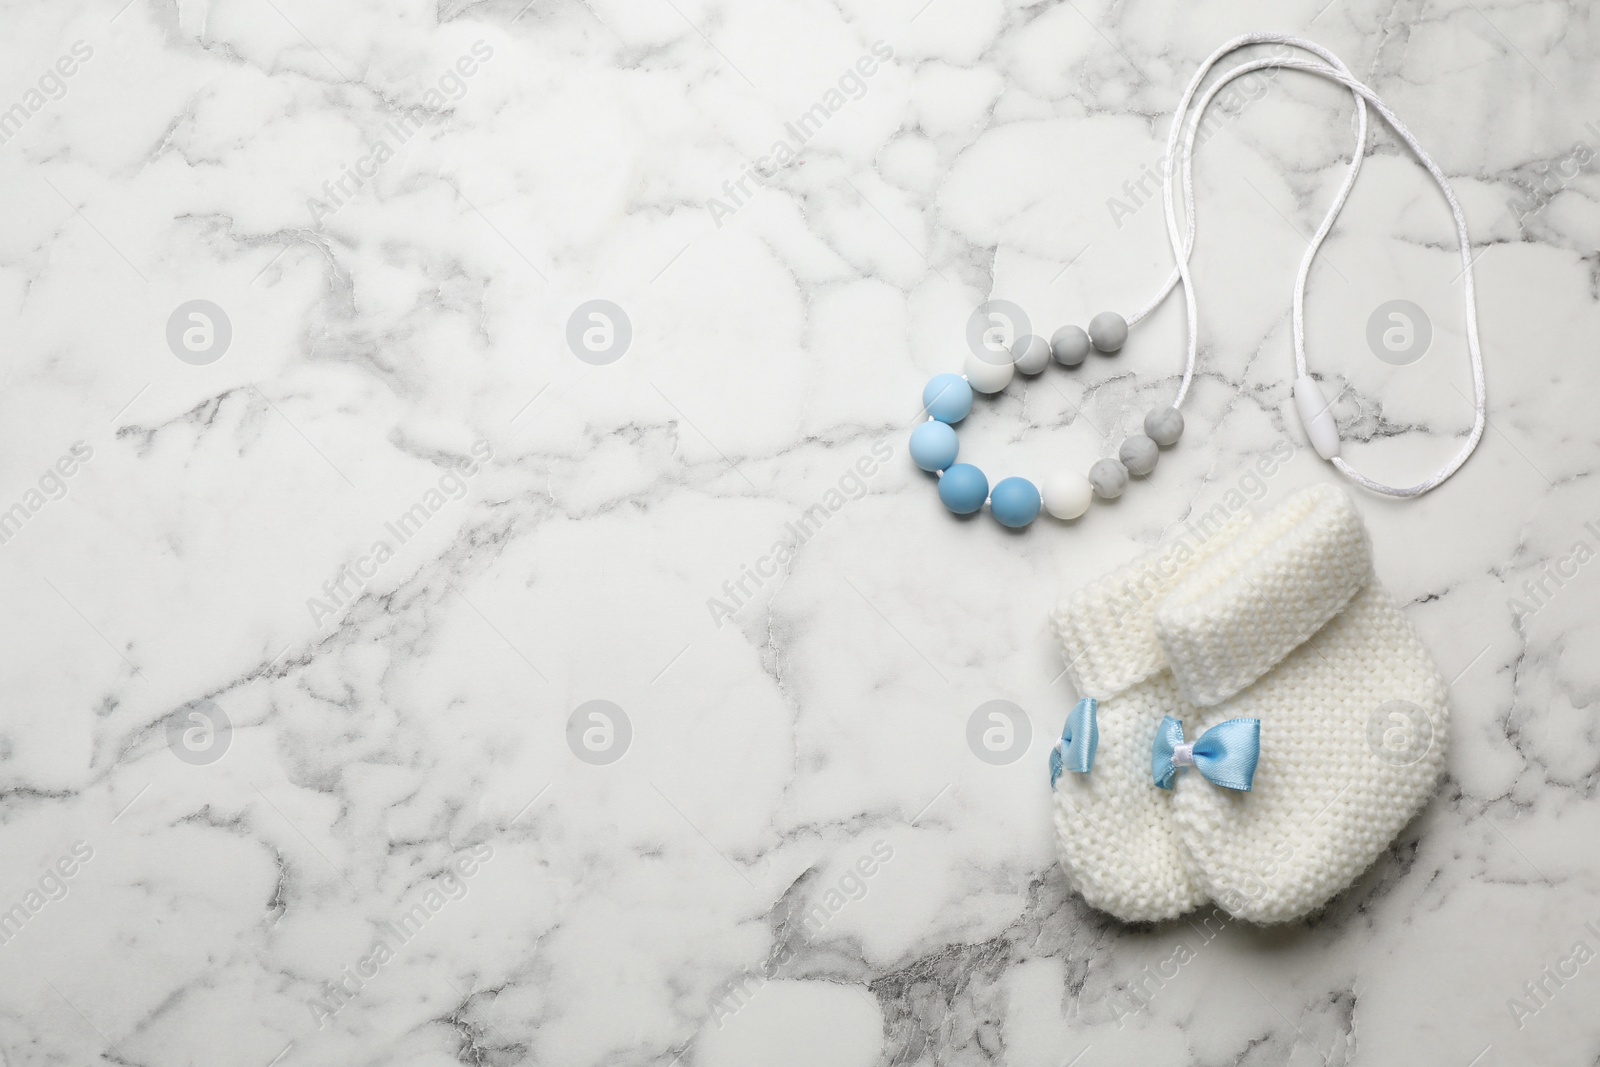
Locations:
column 1016, row 502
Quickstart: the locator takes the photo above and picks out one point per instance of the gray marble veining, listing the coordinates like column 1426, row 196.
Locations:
column 470, row 600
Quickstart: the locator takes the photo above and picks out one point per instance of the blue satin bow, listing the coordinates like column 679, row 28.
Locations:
column 1224, row 755
column 1079, row 738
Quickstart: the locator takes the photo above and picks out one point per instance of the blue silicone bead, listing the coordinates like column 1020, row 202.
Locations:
column 947, row 397
column 1014, row 502
column 934, row 446
column 963, row 489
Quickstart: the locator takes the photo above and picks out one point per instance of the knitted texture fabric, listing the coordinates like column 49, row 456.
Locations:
column 1248, row 607
column 1119, row 842
column 1279, row 620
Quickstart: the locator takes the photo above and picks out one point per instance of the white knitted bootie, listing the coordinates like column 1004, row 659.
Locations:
column 1287, row 625
column 1118, row 841
column 1277, row 628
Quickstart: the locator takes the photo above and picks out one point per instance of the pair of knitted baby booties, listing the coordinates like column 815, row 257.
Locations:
column 1276, row 630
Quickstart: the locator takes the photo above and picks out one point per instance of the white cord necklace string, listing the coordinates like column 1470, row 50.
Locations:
column 1310, row 403
column 1242, row 41
column 1190, row 296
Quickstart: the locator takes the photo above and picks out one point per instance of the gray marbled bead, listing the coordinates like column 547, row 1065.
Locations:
column 1030, row 354
column 1070, row 345
column 1108, row 331
column 1139, row 454
column 1164, row 426
column 1108, row 479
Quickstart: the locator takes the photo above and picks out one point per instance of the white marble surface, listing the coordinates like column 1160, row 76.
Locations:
column 401, row 749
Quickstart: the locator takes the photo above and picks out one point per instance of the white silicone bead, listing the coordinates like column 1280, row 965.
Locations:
column 988, row 377
column 1067, row 495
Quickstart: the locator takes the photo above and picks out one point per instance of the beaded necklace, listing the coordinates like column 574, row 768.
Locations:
column 1016, row 502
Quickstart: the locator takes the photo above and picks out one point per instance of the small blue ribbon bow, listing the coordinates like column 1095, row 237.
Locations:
column 1224, row 755
column 1079, row 738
